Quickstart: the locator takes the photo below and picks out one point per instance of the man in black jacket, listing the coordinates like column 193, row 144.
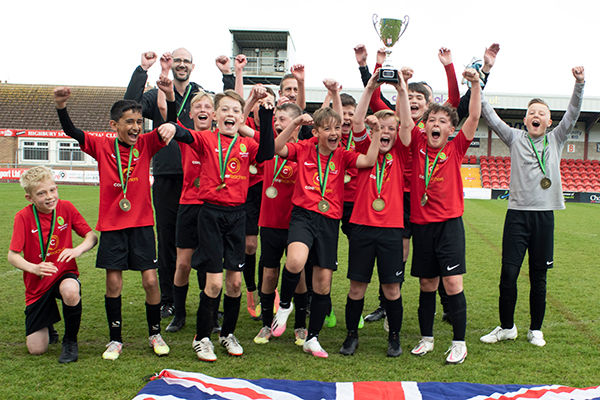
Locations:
column 166, row 164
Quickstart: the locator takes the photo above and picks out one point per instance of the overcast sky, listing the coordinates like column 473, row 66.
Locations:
column 99, row 43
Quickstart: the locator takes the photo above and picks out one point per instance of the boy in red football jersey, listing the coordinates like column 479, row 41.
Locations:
column 42, row 232
column 378, row 218
column 318, row 200
column 125, row 215
column 437, row 206
column 279, row 178
column 186, row 238
column 226, row 157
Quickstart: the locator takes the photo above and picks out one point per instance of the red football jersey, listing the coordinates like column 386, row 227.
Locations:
column 276, row 213
column 392, row 216
column 307, row 192
column 445, row 190
column 110, row 215
column 352, row 172
column 190, row 162
column 243, row 153
column 25, row 239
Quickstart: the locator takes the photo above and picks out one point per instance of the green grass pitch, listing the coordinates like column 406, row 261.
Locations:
column 571, row 326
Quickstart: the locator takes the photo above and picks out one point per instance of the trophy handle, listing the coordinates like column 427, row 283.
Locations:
column 404, row 25
column 375, row 22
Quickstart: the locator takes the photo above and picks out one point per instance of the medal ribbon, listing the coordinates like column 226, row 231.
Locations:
column 277, row 171
column 44, row 249
column 189, row 89
column 540, row 159
column 427, row 174
column 350, row 138
column 120, row 167
column 379, row 176
column 323, row 180
column 223, row 162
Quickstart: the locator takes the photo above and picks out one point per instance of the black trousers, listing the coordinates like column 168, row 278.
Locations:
column 166, row 192
column 531, row 231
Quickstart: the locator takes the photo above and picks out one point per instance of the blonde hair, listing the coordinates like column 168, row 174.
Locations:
column 200, row 95
column 34, row 176
column 383, row 114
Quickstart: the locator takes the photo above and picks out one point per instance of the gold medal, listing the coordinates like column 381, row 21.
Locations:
column 378, row 204
column 221, row 186
column 125, row 205
column 424, row 199
column 271, row 192
column 347, row 178
column 323, row 205
column 545, row 183
column 253, row 170
column 197, row 182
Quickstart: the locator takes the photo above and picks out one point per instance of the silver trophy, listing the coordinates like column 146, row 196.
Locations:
column 389, row 31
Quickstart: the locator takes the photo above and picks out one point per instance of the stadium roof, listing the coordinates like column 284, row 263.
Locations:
column 32, row 106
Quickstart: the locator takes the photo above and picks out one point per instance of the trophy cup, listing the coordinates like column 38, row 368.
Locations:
column 389, row 31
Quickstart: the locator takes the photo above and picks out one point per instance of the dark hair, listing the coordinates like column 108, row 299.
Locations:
column 121, row 106
column 292, row 109
column 419, row 87
column 347, row 100
column 435, row 107
column 286, row 77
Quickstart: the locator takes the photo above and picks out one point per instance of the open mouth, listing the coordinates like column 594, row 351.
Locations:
column 535, row 123
column 346, row 125
column 132, row 136
column 436, row 133
column 414, row 108
column 384, row 141
column 333, row 141
column 278, row 130
column 229, row 123
column 202, row 117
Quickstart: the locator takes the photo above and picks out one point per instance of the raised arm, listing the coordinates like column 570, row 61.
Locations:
column 266, row 146
column 358, row 120
column 224, row 65
column 298, row 72
column 445, row 57
column 403, row 112
column 470, row 125
column 240, row 62
column 284, row 136
column 257, row 92
column 166, row 92
column 61, row 95
column 360, row 52
column 369, row 159
column 166, row 61
column 378, row 101
column 568, row 120
column 333, row 91
column 489, row 59
column 137, row 83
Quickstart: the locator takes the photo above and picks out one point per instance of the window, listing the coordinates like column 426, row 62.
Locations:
column 35, row 150
column 69, row 151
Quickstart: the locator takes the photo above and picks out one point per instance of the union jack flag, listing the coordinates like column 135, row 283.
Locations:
column 179, row 385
